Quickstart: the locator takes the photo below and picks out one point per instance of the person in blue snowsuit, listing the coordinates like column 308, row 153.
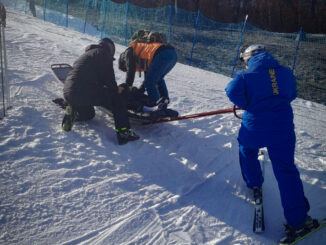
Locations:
column 265, row 91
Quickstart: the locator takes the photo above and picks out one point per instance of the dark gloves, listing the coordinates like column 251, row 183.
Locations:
column 60, row 102
column 142, row 88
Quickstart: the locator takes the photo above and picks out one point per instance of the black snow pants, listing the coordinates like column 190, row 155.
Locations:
column 115, row 100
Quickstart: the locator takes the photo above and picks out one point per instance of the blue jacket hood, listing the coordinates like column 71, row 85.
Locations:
column 262, row 60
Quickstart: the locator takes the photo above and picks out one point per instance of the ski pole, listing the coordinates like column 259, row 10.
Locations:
column 2, row 75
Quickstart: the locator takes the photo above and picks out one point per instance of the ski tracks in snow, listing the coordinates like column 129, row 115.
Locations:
column 179, row 184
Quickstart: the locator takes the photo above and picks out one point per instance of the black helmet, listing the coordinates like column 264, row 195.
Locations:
column 251, row 51
column 109, row 44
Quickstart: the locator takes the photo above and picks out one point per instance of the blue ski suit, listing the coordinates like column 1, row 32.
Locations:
column 265, row 91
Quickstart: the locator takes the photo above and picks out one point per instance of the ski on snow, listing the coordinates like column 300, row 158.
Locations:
column 322, row 223
column 259, row 224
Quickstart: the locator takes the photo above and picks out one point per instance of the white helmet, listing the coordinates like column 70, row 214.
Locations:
column 251, row 51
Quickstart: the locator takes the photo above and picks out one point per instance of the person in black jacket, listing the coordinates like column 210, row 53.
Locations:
column 91, row 83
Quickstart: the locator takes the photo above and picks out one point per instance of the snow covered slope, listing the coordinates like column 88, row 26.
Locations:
column 179, row 184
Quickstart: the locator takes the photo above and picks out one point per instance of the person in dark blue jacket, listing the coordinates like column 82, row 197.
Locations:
column 265, row 91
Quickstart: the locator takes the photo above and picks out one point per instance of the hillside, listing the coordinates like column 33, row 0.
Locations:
column 179, row 184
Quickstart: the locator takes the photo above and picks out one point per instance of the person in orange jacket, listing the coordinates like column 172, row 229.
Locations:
column 155, row 59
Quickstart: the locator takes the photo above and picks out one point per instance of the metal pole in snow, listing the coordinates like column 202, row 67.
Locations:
column 103, row 17
column 2, row 75
column 297, row 49
column 171, row 19
column 7, row 88
column 86, row 12
column 44, row 9
column 126, row 27
column 67, row 3
column 194, row 38
column 239, row 45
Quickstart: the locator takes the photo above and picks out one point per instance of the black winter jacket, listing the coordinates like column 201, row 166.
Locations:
column 91, row 71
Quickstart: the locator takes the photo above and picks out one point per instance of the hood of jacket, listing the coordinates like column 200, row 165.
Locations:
column 99, row 46
column 262, row 60
column 92, row 46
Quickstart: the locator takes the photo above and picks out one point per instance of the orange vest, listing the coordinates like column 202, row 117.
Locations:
column 144, row 54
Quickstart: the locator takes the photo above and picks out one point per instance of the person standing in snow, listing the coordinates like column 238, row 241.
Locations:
column 91, row 83
column 155, row 58
column 265, row 90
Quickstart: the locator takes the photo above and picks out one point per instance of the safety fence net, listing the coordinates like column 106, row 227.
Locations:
column 199, row 41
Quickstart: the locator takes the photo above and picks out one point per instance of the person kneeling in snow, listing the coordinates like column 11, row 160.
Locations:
column 265, row 91
column 91, row 83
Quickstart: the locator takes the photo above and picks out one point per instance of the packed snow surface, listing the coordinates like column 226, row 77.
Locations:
column 179, row 184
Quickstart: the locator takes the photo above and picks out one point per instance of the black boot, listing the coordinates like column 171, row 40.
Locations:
column 68, row 119
column 162, row 103
column 124, row 135
column 257, row 195
column 292, row 234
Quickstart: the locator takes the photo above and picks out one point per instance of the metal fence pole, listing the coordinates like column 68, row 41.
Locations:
column 4, row 51
column 194, row 38
column 297, row 49
column 239, row 45
column 44, row 9
column 126, row 26
column 67, row 9
column 2, row 75
column 171, row 20
column 3, row 61
column 86, row 13
column 25, row 7
column 103, row 16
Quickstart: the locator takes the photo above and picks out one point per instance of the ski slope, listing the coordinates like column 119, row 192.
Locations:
column 179, row 184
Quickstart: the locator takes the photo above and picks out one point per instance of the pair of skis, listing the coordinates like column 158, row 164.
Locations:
column 258, row 222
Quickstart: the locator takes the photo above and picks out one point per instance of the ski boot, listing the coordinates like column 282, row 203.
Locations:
column 162, row 103
column 291, row 234
column 258, row 195
column 125, row 135
column 68, row 119
column 160, row 110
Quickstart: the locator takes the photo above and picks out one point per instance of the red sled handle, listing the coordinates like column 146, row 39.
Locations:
column 203, row 114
